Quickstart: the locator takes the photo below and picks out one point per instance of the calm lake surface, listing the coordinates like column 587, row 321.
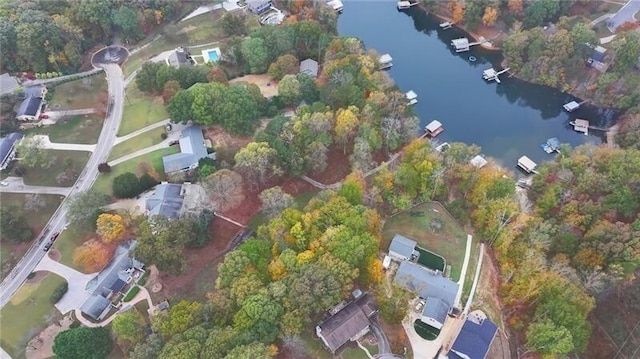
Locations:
column 507, row 120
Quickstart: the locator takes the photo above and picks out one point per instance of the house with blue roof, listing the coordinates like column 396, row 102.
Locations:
column 192, row 149
column 33, row 104
column 8, row 148
column 475, row 338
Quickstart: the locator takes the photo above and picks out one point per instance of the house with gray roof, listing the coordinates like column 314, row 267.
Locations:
column 115, row 277
column 439, row 292
column 402, row 248
column 33, row 104
column 166, row 200
column 8, row 148
column 258, row 6
column 179, row 57
column 348, row 324
column 192, row 149
column 309, row 67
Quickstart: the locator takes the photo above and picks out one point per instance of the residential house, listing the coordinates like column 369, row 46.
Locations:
column 179, row 57
column 258, row 6
column 33, row 104
column 309, row 67
column 348, row 324
column 402, row 248
column 438, row 291
column 8, row 148
column 166, row 200
column 598, row 58
column 475, row 338
column 192, row 149
column 113, row 279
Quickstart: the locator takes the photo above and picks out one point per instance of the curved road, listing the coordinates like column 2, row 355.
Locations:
column 57, row 223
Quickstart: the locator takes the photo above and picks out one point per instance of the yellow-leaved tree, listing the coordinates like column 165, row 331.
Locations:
column 110, row 227
column 490, row 16
column 92, row 256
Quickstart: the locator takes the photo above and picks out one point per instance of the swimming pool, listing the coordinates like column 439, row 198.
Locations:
column 211, row 55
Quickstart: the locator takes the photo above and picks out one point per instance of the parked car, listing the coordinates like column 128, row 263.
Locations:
column 43, row 116
column 47, row 246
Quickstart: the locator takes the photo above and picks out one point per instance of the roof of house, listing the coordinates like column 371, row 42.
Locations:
column 192, row 149
column 118, row 285
column 527, row 162
column 385, row 59
column 7, row 143
column 436, row 308
column 461, row 42
column 163, row 305
column 178, row 58
column 102, row 283
column 34, row 91
column 599, row 54
column 257, row 3
column 166, row 200
column 8, row 82
column 94, row 306
column 474, row 340
column 309, row 67
column 478, row 161
column 402, row 245
column 426, row 283
column 433, row 125
column 29, row 106
column 346, row 323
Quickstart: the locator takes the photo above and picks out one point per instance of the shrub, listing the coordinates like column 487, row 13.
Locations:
column 132, row 293
column 164, row 135
column 146, row 181
column 31, row 275
column 143, row 280
column 58, row 293
column 104, row 168
column 126, row 185
column 75, row 324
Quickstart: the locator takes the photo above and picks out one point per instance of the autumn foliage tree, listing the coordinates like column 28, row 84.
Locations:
column 92, row 256
column 284, row 65
column 169, row 90
column 217, row 74
column 110, row 227
column 490, row 16
column 457, row 11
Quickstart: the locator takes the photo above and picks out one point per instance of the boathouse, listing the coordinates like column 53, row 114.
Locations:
column 552, row 145
column 527, row 164
column 571, row 106
column 580, row 125
column 478, row 161
column 460, row 45
column 434, row 128
column 386, row 61
column 402, row 5
column 412, row 97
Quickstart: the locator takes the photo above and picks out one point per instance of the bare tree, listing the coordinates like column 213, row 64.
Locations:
column 224, row 188
column 295, row 347
column 361, row 159
column 31, row 152
column 33, row 202
column 275, row 200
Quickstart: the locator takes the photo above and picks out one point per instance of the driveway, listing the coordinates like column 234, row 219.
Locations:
column 16, row 185
column 626, row 13
column 383, row 343
column 422, row 349
column 174, row 135
column 46, row 142
column 141, row 131
column 76, row 295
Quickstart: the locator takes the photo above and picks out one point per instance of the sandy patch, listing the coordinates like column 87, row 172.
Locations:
column 41, row 346
column 268, row 87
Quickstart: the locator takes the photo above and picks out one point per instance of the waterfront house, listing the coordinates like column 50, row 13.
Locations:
column 439, row 292
column 475, row 337
column 527, row 164
column 309, row 67
column 258, row 6
column 434, row 128
column 348, row 323
column 8, row 148
column 402, row 248
column 33, row 103
column 192, row 149
column 179, row 57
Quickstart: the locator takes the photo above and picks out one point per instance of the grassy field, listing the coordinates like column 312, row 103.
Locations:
column 77, row 129
column 78, row 94
column 139, row 142
column 70, row 239
column 104, row 181
column 140, row 110
column 314, row 346
column 46, row 176
column 26, row 313
column 449, row 241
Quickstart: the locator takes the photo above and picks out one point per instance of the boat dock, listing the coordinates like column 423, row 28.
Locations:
column 402, row 5
column 446, row 25
column 492, row 75
column 462, row 44
column 386, row 61
column 580, row 125
column 434, row 128
column 573, row 105
column 412, row 97
column 527, row 164
column 552, row 145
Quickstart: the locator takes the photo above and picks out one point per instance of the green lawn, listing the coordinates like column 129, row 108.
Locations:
column 77, row 129
column 139, row 142
column 354, row 353
column 471, row 272
column 88, row 92
column 104, row 180
column 67, row 242
column 47, row 175
column 27, row 312
column 314, row 346
column 449, row 241
column 140, row 110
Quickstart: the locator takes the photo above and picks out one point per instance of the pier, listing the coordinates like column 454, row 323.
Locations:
column 492, row 75
column 527, row 164
column 402, row 5
column 572, row 106
column 386, row 61
column 412, row 97
column 446, row 25
column 580, row 125
column 462, row 44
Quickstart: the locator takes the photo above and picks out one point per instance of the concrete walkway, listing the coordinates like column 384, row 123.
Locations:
column 142, row 295
column 76, row 294
column 64, row 146
column 467, row 307
column 16, row 185
column 138, row 153
column 202, row 10
column 606, row 40
column 141, row 131
column 600, row 19
column 463, row 272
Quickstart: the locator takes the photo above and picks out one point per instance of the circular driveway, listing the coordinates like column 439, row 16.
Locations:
column 110, row 55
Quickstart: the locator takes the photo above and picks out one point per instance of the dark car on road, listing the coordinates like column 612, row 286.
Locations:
column 50, row 243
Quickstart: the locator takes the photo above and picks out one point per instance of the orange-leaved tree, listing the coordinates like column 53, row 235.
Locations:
column 92, row 256
column 110, row 227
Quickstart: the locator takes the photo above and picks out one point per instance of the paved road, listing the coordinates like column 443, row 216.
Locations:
column 16, row 185
column 626, row 13
column 57, row 222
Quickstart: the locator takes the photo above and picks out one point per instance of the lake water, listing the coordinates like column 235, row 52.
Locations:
column 507, row 120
